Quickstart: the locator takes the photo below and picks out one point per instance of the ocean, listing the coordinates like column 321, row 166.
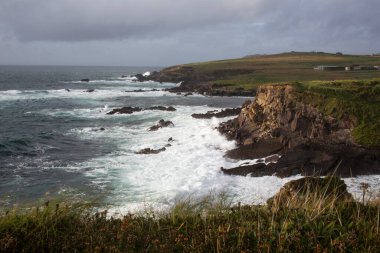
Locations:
column 57, row 142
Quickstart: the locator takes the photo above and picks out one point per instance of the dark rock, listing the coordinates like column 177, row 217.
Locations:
column 129, row 110
column 142, row 78
column 162, row 123
column 257, row 169
column 68, row 90
column 260, row 149
column 162, row 108
column 85, row 80
column 170, row 139
column 221, row 114
column 125, row 110
column 272, row 159
column 147, row 151
column 141, row 90
column 188, row 94
column 316, row 160
column 102, row 129
column 328, row 190
column 123, row 76
column 89, row 90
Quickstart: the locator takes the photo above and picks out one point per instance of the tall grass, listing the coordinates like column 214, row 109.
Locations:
column 317, row 221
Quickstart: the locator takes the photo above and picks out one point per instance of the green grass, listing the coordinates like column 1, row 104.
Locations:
column 357, row 100
column 314, row 224
column 286, row 67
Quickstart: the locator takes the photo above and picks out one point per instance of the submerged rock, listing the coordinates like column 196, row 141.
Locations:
column 89, row 90
column 141, row 90
column 125, row 110
column 147, row 151
column 162, row 123
column 130, row 110
column 85, row 80
column 162, row 108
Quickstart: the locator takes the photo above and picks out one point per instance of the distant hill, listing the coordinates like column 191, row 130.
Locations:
column 250, row 71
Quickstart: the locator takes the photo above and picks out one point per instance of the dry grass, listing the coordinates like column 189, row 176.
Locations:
column 315, row 222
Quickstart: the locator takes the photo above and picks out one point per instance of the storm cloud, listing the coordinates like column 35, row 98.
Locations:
column 151, row 32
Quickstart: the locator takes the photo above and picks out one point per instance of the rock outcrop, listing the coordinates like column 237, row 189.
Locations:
column 130, row 110
column 149, row 151
column 162, row 123
column 223, row 113
column 310, row 142
column 278, row 113
column 125, row 110
column 329, row 190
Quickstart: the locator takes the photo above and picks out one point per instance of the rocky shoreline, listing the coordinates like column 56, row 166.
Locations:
column 278, row 124
column 193, row 82
column 308, row 142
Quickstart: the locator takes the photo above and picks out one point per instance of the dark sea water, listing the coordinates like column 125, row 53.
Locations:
column 51, row 145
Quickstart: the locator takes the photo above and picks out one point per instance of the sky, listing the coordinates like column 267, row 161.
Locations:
column 169, row 32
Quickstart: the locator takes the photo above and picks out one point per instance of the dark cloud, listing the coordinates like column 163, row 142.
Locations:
column 163, row 32
column 81, row 20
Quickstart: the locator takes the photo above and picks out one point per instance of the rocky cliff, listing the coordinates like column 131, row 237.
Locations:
column 308, row 141
column 278, row 112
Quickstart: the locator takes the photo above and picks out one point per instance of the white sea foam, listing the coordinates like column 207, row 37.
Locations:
column 190, row 166
column 100, row 93
column 354, row 186
column 102, row 89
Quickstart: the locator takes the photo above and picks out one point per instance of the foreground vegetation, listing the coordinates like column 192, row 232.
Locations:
column 317, row 222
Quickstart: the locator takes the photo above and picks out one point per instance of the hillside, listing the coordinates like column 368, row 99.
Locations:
column 248, row 72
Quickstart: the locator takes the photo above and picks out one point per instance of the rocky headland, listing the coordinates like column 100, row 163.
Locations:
column 309, row 141
column 192, row 80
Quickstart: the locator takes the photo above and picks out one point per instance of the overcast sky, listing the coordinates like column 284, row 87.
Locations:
column 167, row 32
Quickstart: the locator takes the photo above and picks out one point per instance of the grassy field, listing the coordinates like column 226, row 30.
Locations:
column 249, row 72
column 317, row 222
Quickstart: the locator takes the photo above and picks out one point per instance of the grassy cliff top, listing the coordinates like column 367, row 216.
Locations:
column 358, row 100
column 248, row 72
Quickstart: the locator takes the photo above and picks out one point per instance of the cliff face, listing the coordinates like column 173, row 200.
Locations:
column 278, row 112
column 308, row 141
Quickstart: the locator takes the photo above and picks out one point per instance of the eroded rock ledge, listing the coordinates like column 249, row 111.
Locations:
column 310, row 142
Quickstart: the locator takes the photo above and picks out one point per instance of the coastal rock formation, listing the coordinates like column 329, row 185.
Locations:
column 125, row 110
column 330, row 190
column 141, row 90
column 162, row 108
column 221, row 114
column 193, row 80
column 130, row 110
column 309, row 142
column 277, row 113
column 162, row 123
column 148, row 151
column 85, row 80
